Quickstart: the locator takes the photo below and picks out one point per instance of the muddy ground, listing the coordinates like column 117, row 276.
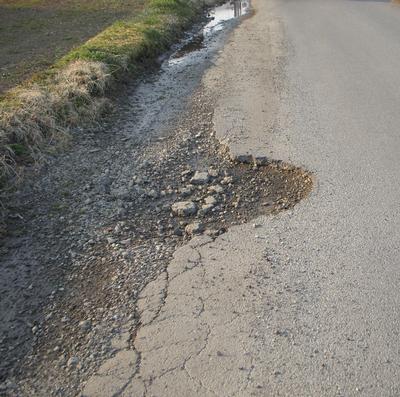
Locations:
column 89, row 231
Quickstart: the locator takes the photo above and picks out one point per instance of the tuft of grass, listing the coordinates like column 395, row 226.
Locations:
column 38, row 115
column 18, row 149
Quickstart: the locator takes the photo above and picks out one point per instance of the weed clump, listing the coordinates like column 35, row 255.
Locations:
column 79, row 92
column 40, row 116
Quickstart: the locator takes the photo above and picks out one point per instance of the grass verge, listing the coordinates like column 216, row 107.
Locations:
column 36, row 116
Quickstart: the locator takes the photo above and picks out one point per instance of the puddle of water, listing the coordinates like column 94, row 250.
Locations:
column 218, row 17
column 225, row 12
column 162, row 97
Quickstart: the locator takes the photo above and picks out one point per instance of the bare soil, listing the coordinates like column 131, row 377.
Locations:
column 35, row 33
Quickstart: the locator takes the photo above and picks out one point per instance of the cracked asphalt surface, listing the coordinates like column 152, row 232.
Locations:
column 307, row 303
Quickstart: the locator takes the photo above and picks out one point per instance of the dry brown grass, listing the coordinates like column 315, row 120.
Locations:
column 79, row 92
column 41, row 116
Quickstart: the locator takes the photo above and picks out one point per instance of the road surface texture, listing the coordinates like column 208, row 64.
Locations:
column 307, row 302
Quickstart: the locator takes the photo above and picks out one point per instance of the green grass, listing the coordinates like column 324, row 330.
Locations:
column 18, row 149
column 125, row 43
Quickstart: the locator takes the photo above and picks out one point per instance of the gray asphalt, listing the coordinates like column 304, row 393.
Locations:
column 342, row 102
column 333, row 109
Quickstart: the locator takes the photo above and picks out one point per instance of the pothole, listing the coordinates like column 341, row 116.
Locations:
column 98, row 301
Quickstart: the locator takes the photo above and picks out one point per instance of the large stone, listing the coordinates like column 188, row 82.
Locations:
column 242, row 158
column 211, row 200
column 205, row 209
column 184, row 208
column 185, row 191
column 261, row 160
column 216, row 188
column 200, row 178
column 194, row 228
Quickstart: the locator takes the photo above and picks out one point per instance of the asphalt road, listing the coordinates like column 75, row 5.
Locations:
column 340, row 119
column 307, row 304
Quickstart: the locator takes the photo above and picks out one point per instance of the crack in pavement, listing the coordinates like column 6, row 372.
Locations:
column 187, row 349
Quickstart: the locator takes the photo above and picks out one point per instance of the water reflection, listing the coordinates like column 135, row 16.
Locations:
column 237, row 8
column 225, row 12
column 219, row 16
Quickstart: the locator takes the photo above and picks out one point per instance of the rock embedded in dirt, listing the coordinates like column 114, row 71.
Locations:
column 194, row 228
column 185, row 191
column 186, row 172
column 242, row 158
column 178, row 231
column 200, row 178
column 216, row 189
column 184, row 208
column 213, row 172
column 153, row 194
column 227, row 180
column 261, row 160
column 205, row 209
column 85, row 325
column 210, row 200
column 72, row 362
column 121, row 193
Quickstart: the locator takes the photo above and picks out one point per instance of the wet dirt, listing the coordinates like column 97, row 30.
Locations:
column 196, row 43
